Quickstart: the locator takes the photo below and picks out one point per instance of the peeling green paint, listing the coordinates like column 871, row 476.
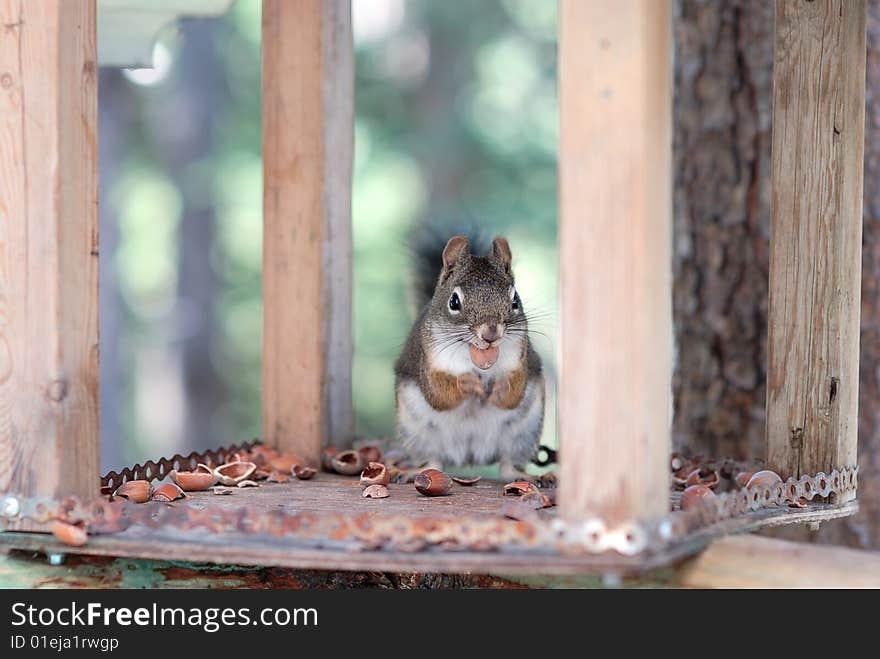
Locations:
column 20, row 569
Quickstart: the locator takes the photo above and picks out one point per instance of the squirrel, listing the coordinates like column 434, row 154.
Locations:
column 469, row 386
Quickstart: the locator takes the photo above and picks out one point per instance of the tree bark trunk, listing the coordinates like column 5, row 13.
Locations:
column 724, row 55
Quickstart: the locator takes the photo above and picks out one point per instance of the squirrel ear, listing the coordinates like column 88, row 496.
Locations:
column 501, row 251
column 454, row 250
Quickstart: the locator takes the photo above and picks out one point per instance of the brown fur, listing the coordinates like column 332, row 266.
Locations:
column 444, row 391
column 508, row 392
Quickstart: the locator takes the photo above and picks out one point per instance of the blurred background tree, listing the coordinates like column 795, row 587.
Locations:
column 456, row 121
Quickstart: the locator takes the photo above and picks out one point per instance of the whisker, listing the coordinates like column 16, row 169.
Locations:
column 528, row 332
column 446, row 347
column 454, row 338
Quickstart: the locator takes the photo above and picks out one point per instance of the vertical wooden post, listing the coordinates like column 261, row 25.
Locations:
column 48, row 248
column 816, row 235
column 615, row 268
column 308, row 144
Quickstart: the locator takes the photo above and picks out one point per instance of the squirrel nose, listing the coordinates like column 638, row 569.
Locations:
column 490, row 332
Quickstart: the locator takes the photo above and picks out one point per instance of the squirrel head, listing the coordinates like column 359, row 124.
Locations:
column 475, row 298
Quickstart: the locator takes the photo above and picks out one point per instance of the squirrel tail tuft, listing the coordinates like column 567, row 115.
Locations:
column 426, row 246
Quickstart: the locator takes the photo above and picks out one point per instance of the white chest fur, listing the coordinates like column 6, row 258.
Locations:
column 475, row 432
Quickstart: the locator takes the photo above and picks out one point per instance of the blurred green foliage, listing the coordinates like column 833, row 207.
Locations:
column 456, row 120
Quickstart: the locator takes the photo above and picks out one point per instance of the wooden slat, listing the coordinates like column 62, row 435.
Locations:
column 308, row 138
column 614, row 240
column 734, row 562
column 816, row 235
column 754, row 562
column 48, row 248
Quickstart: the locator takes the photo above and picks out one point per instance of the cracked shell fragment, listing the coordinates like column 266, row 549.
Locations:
column 233, row 473
column 303, row 472
column 375, row 492
column 693, row 495
column 375, row 473
column 462, row 480
column 135, row 491
column 70, row 534
column 519, row 488
column 167, row 492
column 194, row 481
column 764, row 478
column 347, row 463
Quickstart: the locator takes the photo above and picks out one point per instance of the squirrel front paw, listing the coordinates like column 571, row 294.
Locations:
column 469, row 385
column 508, row 391
column 500, row 393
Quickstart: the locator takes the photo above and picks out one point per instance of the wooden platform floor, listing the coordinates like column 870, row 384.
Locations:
column 334, row 494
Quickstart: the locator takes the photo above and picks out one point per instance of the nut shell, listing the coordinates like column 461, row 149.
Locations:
column 461, row 480
column 433, row 483
column 693, row 495
column 375, row 491
column 285, row 462
column 707, row 477
column 135, row 491
column 742, row 478
column 764, row 478
column 194, row 481
column 519, row 488
column 167, row 492
column 303, row 472
column 347, row 463
column 70, row 534
column 375, row 473
column 233, row 473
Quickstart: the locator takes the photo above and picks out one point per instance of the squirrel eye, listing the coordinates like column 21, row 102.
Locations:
column 455, row 303
column 515, row 303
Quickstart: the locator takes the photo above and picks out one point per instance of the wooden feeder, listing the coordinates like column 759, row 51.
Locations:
column 615, row 230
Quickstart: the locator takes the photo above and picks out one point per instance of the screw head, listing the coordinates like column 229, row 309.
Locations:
column 56, row 559
column 610, row 580
column 10, row 506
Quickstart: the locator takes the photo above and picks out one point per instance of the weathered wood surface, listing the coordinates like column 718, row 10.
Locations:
column 328, row 494
column 48, row 248
column 816, row 235
column 333, row 494
column 754, row 562
column 614, row 240
column 308, row 145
